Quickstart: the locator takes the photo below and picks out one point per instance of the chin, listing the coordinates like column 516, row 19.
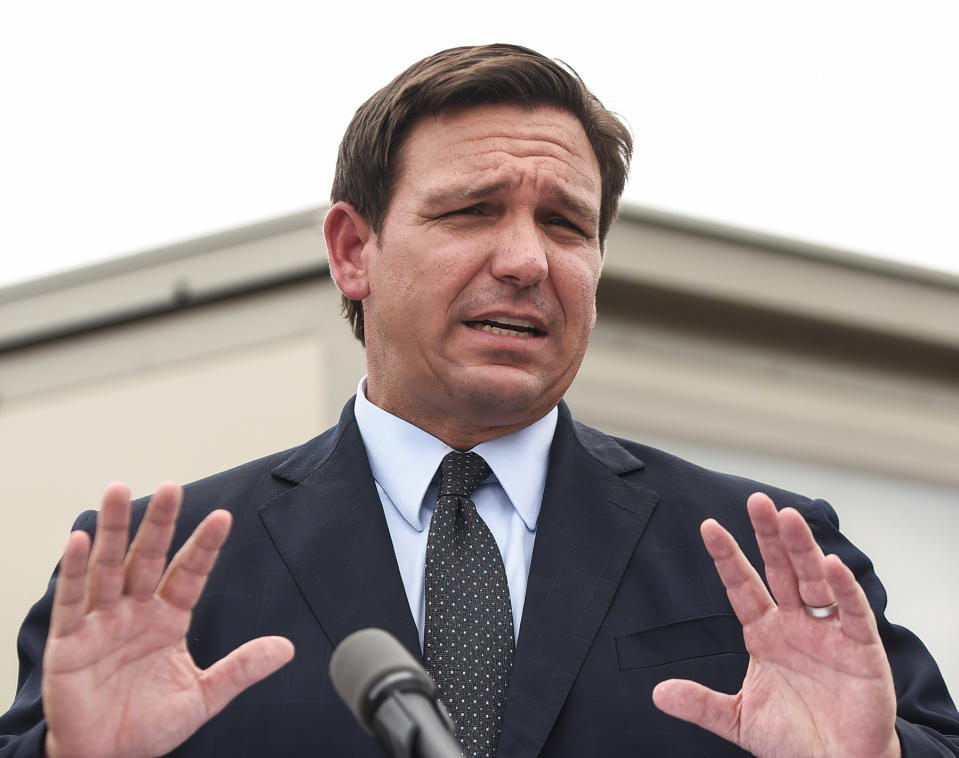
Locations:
column 502, row 400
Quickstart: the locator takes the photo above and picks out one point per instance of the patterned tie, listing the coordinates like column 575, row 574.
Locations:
column 468, row 638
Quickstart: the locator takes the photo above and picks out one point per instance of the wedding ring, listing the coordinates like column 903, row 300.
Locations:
column 821, row 611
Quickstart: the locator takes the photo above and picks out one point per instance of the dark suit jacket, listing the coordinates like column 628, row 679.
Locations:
column 621, row 595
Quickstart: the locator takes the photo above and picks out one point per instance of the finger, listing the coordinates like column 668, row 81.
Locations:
column 245, row 666
column 186, row 576
column 691, row 701
column 806, row 558
column 855, row 614
column 105, row 569
column 778, row 568
column 68, row 606
column 747, row 593
column 147, row 556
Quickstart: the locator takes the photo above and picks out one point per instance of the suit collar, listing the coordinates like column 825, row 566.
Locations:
column 309, row 457
column 605, row 449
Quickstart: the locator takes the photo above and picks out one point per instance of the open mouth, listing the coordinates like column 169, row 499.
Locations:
column 506, row 328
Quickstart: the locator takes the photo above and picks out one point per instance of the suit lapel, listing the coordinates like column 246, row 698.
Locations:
column 589, row 524
column 332, row 535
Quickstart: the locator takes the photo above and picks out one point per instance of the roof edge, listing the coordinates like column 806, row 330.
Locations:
column 169, row 253
column 790, row 246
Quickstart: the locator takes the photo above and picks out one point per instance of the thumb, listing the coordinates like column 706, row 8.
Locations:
column 245, row 666
column 691, row 701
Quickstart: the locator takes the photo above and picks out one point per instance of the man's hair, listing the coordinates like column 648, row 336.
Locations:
column 369, row 155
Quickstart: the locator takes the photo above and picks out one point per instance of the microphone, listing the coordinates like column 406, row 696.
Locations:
column 392, row 696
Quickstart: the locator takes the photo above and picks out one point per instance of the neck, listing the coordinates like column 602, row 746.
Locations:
column 459, row 431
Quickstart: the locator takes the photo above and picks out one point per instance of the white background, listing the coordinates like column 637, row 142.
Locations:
column 127, row 125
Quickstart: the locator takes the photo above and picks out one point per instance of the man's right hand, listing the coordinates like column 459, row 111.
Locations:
column 118, row 680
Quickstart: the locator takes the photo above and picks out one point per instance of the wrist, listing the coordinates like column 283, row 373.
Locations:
column 50, row 749
column 895, row 747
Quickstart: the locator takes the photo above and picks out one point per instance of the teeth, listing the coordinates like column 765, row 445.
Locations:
column 506, row 327
column 508, row 322
column 504, row 332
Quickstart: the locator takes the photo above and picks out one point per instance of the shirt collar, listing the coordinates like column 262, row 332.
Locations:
column 404, row 459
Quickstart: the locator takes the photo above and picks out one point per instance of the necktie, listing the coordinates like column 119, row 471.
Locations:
column 468, row 635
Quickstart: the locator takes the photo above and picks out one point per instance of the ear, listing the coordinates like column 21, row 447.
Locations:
column 347, row 236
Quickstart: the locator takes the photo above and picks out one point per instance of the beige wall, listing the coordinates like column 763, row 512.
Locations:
column 178, row 396
column 825, row 374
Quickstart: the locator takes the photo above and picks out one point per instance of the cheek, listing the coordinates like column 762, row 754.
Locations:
column 452, row 273
column 399, row 276
column 577, row 291
column 424, row 293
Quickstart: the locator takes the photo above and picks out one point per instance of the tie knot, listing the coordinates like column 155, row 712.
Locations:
column 461, row 473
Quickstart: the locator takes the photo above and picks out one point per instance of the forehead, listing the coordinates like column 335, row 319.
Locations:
column 508, row 143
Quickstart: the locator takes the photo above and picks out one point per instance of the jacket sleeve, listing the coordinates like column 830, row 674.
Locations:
column 927, row 720
column 23, row 728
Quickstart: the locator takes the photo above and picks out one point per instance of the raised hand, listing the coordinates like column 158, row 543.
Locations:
column 815, row 686
column 118, row 680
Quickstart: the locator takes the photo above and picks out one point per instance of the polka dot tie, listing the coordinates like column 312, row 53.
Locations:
column 468, row 637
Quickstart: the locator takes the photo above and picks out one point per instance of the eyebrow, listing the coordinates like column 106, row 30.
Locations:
column 445, row 197
column 452, row 196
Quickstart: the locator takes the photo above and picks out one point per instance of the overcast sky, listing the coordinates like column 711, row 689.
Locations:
column 128, row 125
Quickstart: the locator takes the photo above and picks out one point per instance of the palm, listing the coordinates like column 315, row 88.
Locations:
column 814, row 687
column 124, row 655
column 811, row 688
column 118, row 678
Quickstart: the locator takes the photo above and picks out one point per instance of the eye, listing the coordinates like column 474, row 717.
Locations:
column 469, row 210
column 565, row 223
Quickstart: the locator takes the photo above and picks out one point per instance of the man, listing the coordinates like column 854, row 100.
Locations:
column 472, row 199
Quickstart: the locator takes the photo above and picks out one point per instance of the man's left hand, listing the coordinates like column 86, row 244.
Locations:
column 814, row 686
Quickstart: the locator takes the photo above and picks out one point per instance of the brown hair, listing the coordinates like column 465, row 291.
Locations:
column 366, row 165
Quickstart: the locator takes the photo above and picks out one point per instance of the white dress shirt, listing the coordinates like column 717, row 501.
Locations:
column 405, row 459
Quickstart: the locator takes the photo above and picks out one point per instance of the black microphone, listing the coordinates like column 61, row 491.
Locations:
column 392, row 696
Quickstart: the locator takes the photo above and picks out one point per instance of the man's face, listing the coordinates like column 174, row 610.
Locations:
column 483, row 277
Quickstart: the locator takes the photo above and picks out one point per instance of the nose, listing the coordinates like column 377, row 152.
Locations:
column 520, row 256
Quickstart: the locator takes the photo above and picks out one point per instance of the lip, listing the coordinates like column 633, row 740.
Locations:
column 530, row 323
column 500, row 332
column 499, row 348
